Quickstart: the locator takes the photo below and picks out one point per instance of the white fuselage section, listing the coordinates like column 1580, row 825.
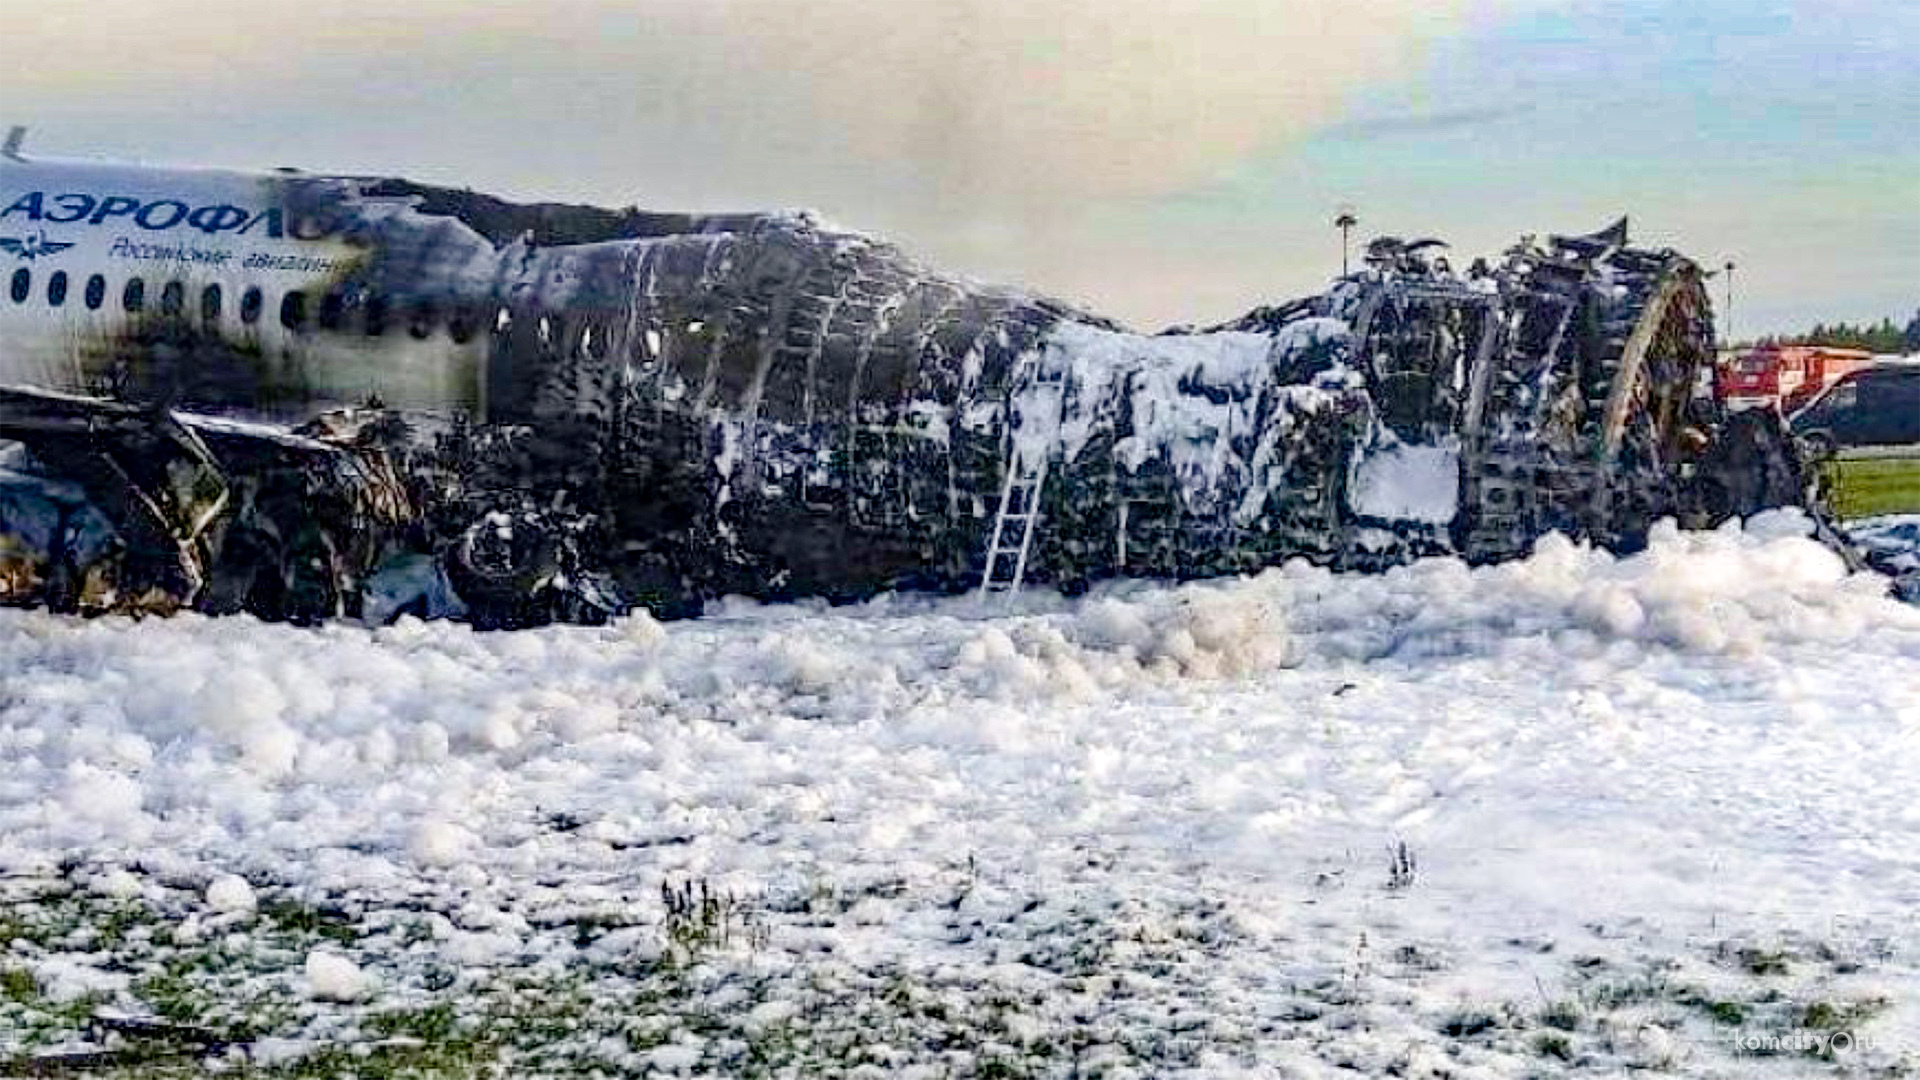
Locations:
column 89, row 252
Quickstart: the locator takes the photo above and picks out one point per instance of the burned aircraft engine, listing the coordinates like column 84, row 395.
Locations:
column 621, row 408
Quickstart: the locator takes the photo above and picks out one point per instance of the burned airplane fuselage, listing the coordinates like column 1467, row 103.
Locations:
column 561, row 411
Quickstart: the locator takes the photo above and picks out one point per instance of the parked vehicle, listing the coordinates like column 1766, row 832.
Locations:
column 1786, row 377
column 1874, row 406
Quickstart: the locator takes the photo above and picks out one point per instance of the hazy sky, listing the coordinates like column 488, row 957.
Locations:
column 1159, row 160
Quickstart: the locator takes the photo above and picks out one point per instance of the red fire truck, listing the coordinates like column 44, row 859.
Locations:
column 1784, row 376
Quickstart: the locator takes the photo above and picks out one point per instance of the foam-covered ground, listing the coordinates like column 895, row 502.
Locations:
column 1892, row 542
column 1572, row 814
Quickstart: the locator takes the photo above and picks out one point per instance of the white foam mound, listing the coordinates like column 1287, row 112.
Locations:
column 332, row 977
column 1697, row 736
column 229, row 894
column 386, row 734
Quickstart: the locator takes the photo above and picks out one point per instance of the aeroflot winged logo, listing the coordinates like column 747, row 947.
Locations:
column 32, row 247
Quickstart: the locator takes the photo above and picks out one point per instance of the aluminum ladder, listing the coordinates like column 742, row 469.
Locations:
column 1020, row 497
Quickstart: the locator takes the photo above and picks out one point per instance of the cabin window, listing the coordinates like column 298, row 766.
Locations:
column 421, row 324
column 293, row 310
column 333, row 309
column 462, row 324
column 134, row 297
column 57, row 288
column 595, row 341
column 22, row 284
column 210, row 304
column 251, row 302
column 96, row 292
column 173, row 299
column 375, row 315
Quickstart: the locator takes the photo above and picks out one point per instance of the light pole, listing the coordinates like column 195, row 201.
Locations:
column 1345, row 221
column 1729, row 269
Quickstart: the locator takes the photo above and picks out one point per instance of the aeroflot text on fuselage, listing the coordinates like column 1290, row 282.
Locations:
column 284, row 245
column 75, row 208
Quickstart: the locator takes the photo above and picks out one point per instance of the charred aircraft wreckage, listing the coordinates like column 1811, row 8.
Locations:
column 312, row 396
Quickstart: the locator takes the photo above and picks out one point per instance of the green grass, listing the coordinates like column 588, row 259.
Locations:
column 205, row 998
column 298, row 918
column 17, row 985
column 1730, row 1013
column 1831, row 1016
column 433, row 1023
column 1554, row 1045
column 1756, row 961
column 1562, row 1015
column 1871, row 486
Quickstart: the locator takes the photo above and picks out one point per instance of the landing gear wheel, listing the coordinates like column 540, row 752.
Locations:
column 500, row 566
column 1816, row 446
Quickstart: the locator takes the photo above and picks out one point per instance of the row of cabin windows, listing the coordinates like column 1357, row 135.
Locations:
column 374, row 314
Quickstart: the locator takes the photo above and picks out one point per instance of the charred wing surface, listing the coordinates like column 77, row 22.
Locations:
column 671, row 408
